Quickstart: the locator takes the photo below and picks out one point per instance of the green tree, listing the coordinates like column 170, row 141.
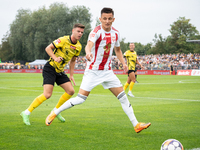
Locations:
column 80, row 14
column 5, row 49
column 124, row 46
column 142, row 49
column 18, row 36
column 181, row 30
column 97, row 22
column 31, row 32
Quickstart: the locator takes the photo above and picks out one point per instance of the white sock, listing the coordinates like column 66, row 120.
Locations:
column 127, row 107
column 27, row 112
column 79, row 99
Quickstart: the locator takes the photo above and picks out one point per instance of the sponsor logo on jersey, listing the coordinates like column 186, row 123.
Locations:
column 104, row 38
column 73, row 47
column 107, row 36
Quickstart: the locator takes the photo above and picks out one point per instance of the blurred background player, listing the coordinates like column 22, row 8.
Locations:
column 101, row 43
column 131, row 57
column 66, row 49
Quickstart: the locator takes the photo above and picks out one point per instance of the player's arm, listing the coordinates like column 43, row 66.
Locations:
column 71, row 69
column 119, row 55
column 139, row 64
column 49, row 49
column 88, row 49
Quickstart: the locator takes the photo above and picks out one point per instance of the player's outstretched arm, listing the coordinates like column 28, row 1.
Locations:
column 88, row 49
column 71, row 69
column 139, row 64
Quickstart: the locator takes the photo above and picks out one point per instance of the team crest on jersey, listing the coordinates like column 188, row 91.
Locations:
column 113, row 38
column 57, row 41
column 107, row 47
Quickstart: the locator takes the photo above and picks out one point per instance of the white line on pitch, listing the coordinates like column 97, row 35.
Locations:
column 152, row 98
column 110, row 95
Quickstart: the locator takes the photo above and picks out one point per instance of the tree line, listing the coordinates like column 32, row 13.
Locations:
column 31, row 32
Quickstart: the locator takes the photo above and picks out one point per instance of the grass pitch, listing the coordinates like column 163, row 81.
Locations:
column 170, row 103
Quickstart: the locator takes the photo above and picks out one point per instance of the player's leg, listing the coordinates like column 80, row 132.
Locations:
column 63, row 81
column 48, row 84
column 127, row 83
column 87, row 84
column 79, row 99
column 69, row 91
column 136, row 77
column 126, row 106
column 48, row 89
column 132, row 78
column 47, row 92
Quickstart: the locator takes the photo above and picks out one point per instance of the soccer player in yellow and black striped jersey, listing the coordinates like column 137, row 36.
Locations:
column 131, row 57
column 61, row 51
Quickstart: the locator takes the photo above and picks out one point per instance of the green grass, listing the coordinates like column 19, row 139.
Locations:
column 170, row 103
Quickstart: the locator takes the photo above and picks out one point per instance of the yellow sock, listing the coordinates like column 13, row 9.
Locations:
column 36, row 102
column 131, row 86
column 125, row 86
column 63, row 99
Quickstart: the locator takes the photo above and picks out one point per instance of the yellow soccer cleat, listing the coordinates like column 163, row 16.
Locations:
column 50, row 118
column 140, row 126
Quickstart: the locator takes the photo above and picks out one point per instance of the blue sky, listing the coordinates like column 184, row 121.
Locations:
column 137, row 20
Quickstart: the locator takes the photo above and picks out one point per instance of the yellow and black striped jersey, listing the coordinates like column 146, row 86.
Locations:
column 131, row 58
column 66, row 49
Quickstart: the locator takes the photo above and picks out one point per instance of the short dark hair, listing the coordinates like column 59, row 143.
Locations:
column 107, row 10
column 79, row 25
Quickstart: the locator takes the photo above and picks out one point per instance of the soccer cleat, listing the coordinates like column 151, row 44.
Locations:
column 140, row 126
column 50, row 118
column 60, row 118
column 130, row 94
column 25, row 118
column 136, row 81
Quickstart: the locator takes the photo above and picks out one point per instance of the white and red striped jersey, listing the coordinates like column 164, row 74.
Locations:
column 104, row 43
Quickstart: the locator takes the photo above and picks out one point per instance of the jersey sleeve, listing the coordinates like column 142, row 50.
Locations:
column 92, row 36
column 59, row 42
column 126, row 53
column 117, row 44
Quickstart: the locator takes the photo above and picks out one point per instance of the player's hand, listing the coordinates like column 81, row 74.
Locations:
column 72, row 79
column 89, row 56
column 58, row 59
column 125, row 68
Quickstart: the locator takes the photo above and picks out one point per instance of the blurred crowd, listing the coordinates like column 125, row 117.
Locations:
column 149, row 62
column 165, row 61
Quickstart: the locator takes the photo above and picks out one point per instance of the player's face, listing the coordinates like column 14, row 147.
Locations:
column 77, row 33
column 106, row 20
column 131, row 46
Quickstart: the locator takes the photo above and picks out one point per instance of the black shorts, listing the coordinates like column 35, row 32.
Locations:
column 50, row 76
column 129, row 71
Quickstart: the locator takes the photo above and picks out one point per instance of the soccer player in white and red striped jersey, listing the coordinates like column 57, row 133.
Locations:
column 101, row 43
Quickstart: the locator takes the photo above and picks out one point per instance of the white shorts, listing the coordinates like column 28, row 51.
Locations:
column 93, row 78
